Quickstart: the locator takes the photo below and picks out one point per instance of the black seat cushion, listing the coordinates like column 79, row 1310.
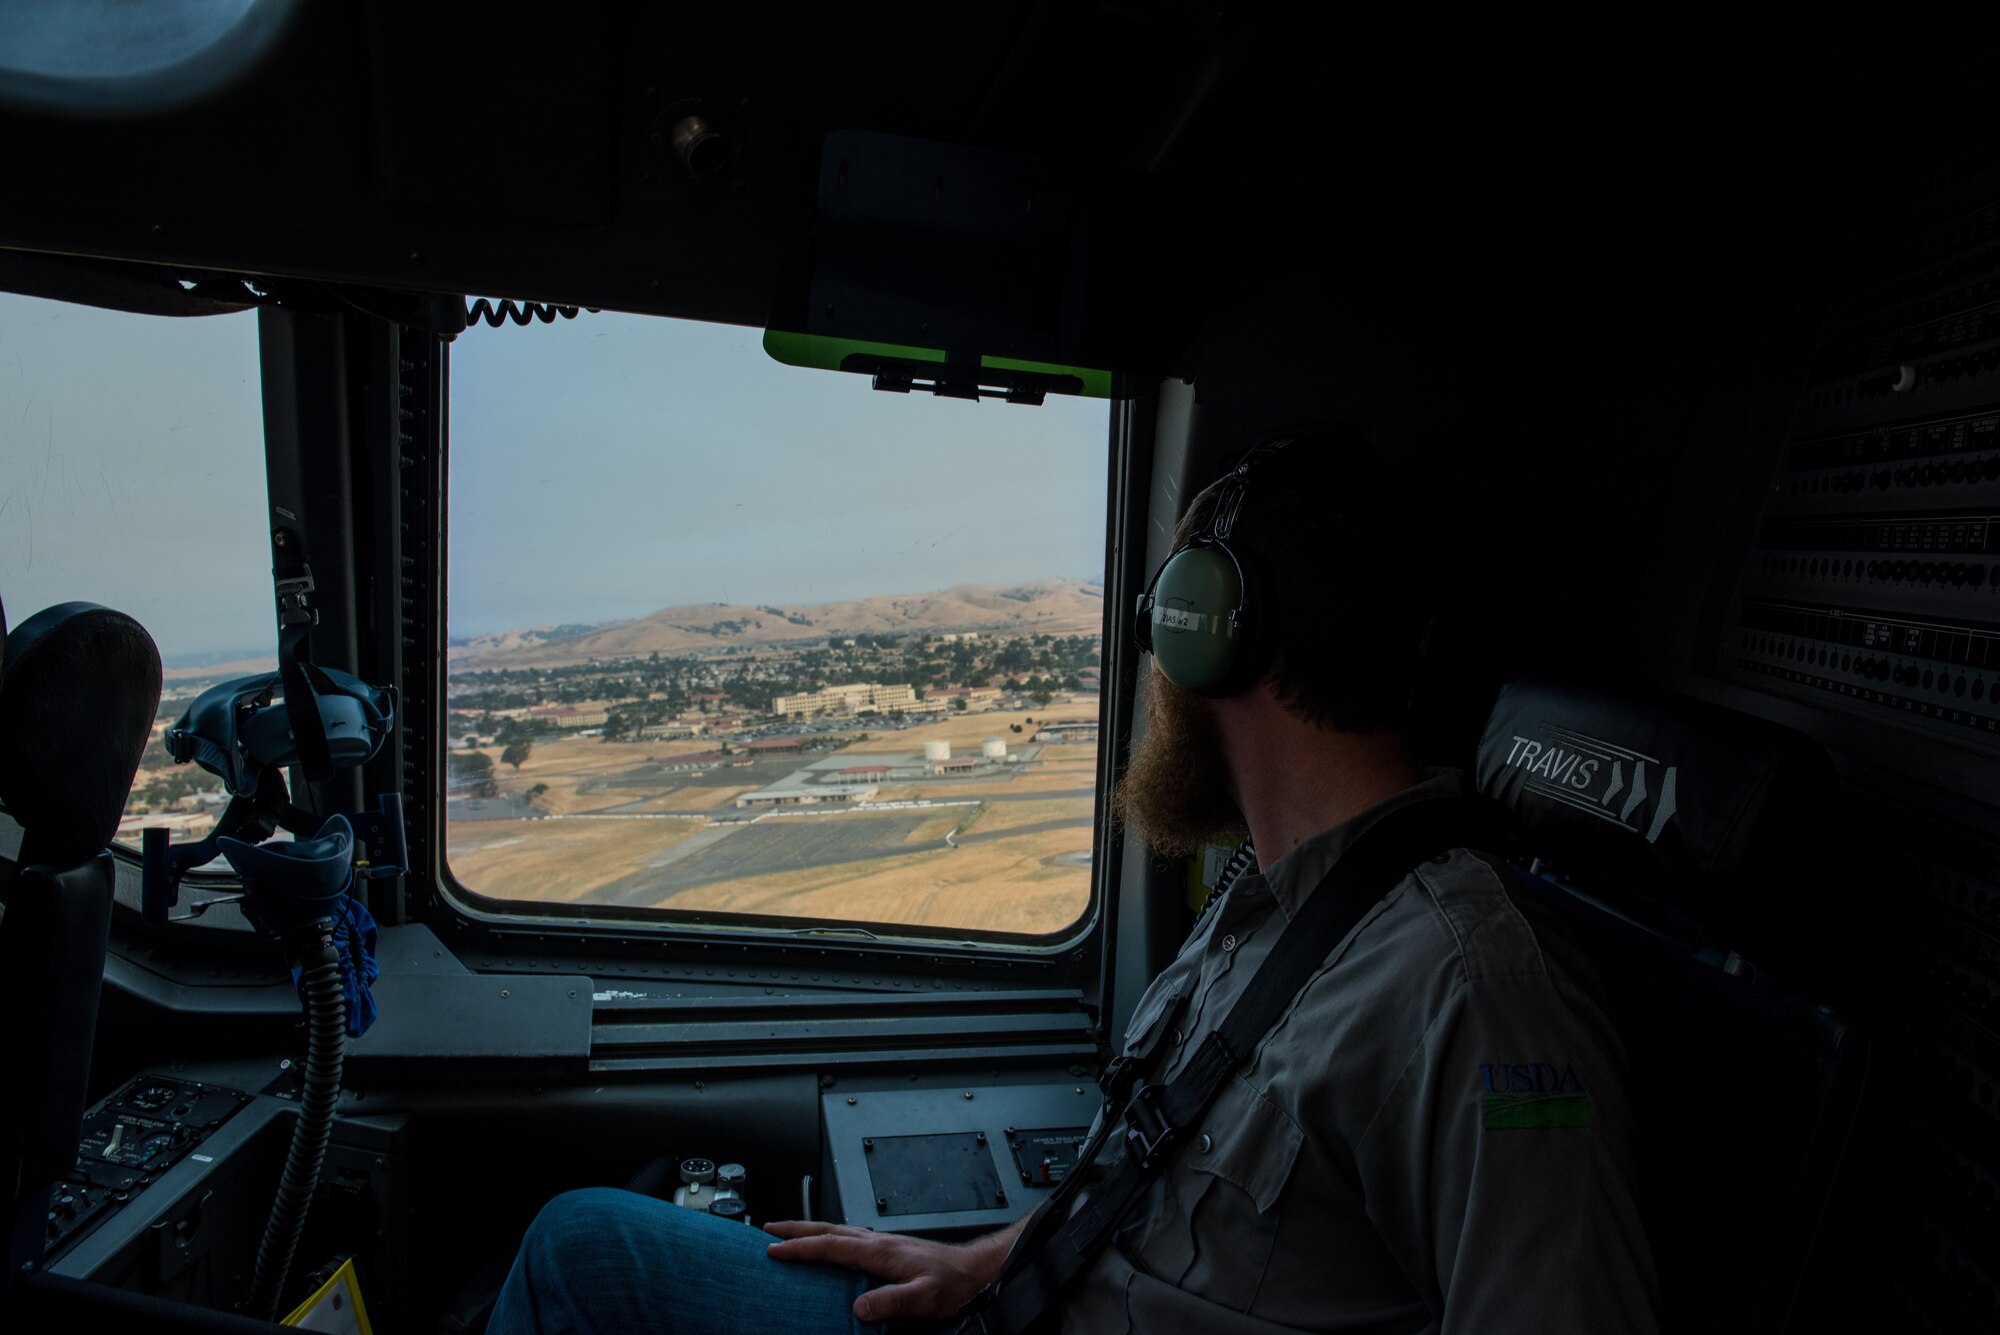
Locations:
column 81, row 689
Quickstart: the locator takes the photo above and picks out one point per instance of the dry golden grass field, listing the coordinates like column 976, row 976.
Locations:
column 689, row 799
column 1024, row 867
column 554, row 859
column 569, row 764
column 1005, row 886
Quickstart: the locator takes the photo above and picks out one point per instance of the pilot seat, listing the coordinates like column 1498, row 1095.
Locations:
column 1688, row 847
column 80, row 687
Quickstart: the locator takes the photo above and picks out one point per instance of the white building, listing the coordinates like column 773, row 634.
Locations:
column 787, row 795
column 853, row 699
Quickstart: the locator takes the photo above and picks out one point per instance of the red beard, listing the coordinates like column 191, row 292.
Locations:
column 1175, row 792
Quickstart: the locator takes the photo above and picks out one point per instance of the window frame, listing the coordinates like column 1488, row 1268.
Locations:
column 523, row 929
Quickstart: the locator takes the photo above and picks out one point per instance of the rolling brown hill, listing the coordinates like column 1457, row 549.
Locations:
column 1052, row 606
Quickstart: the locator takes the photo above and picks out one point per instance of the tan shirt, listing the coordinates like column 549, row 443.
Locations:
column 1433, row 1138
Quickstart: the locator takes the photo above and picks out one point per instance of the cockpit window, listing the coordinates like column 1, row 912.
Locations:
column 132, row 475
column 757, row 644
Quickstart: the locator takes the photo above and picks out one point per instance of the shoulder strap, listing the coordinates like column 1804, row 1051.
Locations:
column 1059, row 1245
column 296, row 618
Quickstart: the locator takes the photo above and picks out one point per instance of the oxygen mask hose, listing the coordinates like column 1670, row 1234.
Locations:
column 326, row 1046
column 294, row 891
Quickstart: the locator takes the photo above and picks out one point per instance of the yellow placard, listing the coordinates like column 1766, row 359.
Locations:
column 1203, row 870
column 335, row 1307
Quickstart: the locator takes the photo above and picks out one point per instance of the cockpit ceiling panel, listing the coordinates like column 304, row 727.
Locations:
column 425, row 147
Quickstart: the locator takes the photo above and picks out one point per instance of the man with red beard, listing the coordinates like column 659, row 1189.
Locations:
column 1430, row 1136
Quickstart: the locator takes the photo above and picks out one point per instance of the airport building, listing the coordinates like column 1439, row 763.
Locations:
column 865, row 773
column 695, row 726
column 703, row 760
column 767, row 745
column 825, row 794
column 852, row 699
column 975, row 697
column 1068, row 730
column 571, row 716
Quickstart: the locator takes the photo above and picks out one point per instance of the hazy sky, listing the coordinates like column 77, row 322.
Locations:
column 610, row 465
column 132, row 471
column 600, row 468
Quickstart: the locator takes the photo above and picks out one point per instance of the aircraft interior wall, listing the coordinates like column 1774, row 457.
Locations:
column 1689, row 356
column 1619, row 486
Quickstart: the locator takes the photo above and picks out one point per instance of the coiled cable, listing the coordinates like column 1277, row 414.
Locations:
column 326, row 1044
column 520, row 312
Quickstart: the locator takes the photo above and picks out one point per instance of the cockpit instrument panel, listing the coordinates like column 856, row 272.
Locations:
column 129, row 1140
column 1874, row 584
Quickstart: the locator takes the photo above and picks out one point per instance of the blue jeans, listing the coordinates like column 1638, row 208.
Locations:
column 605, row 1262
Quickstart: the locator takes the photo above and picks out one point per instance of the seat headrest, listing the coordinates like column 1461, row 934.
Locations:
column 1691, row 804
column 76, row 708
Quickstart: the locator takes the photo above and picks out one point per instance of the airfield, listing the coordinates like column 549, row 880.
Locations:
column 1004, row 846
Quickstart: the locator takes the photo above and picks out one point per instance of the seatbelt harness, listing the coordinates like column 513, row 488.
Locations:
column 1151, row 1120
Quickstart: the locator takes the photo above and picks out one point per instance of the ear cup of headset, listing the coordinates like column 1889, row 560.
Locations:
column 1200, row 620
column 1201, row 617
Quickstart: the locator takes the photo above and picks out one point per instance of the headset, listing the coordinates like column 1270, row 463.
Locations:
column 1198, row 617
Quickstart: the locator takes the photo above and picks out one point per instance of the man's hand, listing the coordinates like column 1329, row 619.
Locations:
column 926, row 1279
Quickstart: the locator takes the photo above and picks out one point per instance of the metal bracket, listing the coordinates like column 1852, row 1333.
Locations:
column 1148, row 1134
column 294, row 607
column 380, row 850
column 380, row 847
column 174, row 1241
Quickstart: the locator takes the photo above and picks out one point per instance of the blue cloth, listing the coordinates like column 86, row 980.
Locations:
column 605, row 1262
column 354, row 936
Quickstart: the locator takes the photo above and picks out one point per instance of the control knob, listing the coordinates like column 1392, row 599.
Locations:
column 697, row 1187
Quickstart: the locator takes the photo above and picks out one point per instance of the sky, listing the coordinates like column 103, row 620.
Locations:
column 610, row 465
column 132, row 471
column 600, row 468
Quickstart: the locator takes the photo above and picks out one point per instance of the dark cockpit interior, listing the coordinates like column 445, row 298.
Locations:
column 1685, row 329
